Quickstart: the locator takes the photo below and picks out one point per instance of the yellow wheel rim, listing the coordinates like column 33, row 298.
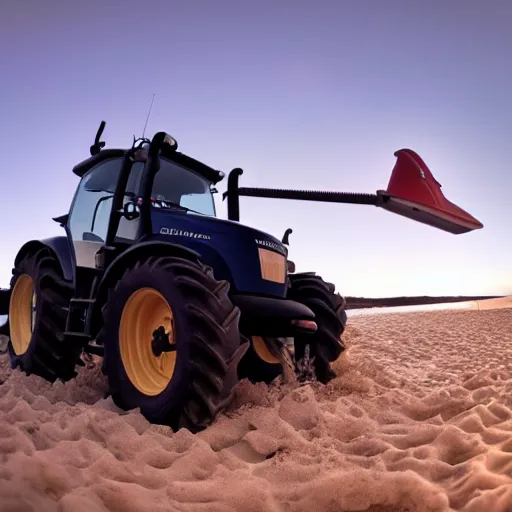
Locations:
column 22, row 313
column 261, row 349
column 144, row 312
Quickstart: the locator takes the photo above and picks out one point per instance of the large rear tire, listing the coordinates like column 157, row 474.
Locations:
column 325, row 345
column 195, row 378
column 38, row 310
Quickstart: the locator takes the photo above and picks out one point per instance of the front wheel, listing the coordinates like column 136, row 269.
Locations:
column 326, row 344
column 172, row 344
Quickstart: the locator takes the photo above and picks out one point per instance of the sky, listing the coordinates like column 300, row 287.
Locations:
column 300, row 94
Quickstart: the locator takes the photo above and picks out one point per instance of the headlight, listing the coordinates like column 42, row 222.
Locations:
column 273, row 266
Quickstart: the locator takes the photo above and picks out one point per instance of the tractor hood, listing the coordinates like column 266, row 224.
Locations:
column 253, row 261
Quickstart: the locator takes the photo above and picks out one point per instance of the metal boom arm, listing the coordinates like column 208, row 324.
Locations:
column 234, row 192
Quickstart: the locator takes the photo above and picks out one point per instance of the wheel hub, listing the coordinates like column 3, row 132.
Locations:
column 160, row 342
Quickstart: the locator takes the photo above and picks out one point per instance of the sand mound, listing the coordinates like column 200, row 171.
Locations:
column 419, row 419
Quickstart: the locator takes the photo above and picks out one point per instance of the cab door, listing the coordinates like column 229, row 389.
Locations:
column 89, row 216
column 90, row 211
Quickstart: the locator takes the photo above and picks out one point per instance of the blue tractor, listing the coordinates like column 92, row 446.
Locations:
column 180, row 304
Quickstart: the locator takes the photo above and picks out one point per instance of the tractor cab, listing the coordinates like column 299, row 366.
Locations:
column 120, row 189
column 174, row 187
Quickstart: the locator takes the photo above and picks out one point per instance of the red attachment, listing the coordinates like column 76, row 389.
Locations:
column 414, row 192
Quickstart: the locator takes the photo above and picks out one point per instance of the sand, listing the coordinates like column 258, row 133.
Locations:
column 419, row 419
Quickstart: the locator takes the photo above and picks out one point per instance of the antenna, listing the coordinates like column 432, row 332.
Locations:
column 147, row 118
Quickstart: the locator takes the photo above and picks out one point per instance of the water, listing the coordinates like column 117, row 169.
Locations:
column 412, row 309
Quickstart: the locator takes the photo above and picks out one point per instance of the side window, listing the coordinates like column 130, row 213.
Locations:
column 89, row 217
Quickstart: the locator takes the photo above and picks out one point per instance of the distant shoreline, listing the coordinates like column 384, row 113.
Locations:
column 386, row 302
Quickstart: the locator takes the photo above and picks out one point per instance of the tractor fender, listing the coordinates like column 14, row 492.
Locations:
column 59, row 247
column 116, row 269
column 209, row 256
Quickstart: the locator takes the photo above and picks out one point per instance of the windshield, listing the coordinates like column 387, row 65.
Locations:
column 179, row 185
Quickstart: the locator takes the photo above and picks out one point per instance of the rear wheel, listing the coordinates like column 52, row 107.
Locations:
column 325, row 345
column 38, row 310
column 172, row 344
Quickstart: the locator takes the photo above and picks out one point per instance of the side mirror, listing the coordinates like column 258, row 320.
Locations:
column 98, row 145
column 131, row 211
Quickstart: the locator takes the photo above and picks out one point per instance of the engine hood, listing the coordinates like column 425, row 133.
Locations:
column 229, row 247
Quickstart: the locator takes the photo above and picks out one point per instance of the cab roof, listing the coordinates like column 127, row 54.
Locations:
column 180, row 158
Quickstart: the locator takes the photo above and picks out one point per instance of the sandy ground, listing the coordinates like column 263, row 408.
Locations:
column 419, row 419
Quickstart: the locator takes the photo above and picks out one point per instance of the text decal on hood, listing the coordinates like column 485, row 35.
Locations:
column 183, row 232
column 270, row 245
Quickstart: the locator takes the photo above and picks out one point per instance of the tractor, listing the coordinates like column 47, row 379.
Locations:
column 180, row 304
